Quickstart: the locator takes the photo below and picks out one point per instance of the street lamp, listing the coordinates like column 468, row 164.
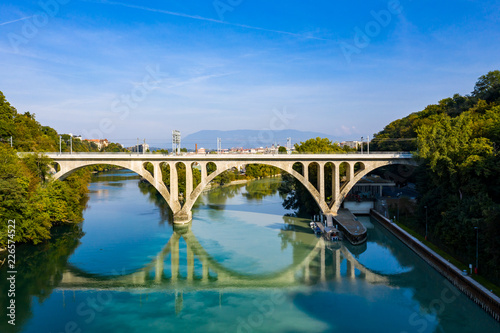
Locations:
column 477, row 248
column 425, row 222
column 399, row 198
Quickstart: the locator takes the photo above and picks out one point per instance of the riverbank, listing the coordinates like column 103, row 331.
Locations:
column 474, row 290
column 96, row 169
column 212, row 185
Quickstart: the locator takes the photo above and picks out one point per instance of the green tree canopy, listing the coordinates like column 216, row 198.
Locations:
column 317, row 146
column 488, row 87
column 401, row 134
column 458, row 143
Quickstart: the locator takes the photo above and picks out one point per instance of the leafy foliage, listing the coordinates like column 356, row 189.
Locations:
column 457, row 141
column 318, row 146
column 488, row 87
column 35, row 204
column 26, row 192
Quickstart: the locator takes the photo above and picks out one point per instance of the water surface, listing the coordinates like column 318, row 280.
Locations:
column 241, row 266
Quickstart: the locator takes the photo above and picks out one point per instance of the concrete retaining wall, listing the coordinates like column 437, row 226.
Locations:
column 475, row 291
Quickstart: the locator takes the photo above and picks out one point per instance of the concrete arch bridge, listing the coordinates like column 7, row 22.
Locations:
column 356, row 165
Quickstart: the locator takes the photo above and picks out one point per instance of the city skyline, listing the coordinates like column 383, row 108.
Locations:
column 122, row 70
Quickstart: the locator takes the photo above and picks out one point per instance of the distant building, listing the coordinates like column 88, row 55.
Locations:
column 370, row 186
column 100, row 143
column 141, row 148
column 202, row 151
column 351, row 144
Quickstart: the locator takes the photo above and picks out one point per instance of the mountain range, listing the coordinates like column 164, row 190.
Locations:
column 248, row 138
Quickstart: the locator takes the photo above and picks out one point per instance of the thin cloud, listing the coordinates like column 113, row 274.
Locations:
column 19, row 19
column 196, row 79
column 201, row 18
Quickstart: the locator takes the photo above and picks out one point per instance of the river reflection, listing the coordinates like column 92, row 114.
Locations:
column 322, row 262
column 242, row 265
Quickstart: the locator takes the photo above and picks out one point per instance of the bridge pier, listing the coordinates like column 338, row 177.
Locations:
column 322, row 262
column 159, row 266
column 336, row 264
column 174, row 257
column 183, row 217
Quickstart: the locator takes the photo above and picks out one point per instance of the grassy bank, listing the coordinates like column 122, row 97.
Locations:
column 483, row 281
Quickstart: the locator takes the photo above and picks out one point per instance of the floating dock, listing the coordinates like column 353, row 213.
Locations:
column 352, row 229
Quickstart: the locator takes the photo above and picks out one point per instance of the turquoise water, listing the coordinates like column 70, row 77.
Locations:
column 241, row 266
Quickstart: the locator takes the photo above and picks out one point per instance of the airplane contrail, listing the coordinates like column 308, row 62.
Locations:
column 197, row 17
column 19, row 19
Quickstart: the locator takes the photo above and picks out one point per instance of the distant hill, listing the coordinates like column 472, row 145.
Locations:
column 248, row 138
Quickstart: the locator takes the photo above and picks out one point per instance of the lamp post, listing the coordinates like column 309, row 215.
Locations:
column 399, row 198
column 425, row 222
column 60, row 144
column 361, row 145
column 477, row 248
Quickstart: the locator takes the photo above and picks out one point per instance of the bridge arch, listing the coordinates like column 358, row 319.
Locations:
column 334, row 206
column 356, row 166
column 353, row 177
column 222, row 167
column 154, row 179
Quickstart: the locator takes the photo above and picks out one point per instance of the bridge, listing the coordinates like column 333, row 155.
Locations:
column 356, row 166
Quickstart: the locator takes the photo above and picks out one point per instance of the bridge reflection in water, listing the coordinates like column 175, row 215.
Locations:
column 200, row 271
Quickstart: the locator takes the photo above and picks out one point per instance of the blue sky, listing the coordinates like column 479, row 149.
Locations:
column 128, row 69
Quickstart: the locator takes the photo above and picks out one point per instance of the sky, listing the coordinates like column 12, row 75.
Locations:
column 123, row 70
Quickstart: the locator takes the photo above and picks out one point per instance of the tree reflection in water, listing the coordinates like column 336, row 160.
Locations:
column 40, row 269
column 215, row 198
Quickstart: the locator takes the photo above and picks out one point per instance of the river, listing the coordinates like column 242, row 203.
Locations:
column 242, row 265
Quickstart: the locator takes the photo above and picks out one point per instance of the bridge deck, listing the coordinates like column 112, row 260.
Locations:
column 229, row 157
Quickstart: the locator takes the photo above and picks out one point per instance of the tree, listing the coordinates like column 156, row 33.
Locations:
column 115, row 148
column 459, row 180
column 7, row 114
column 317, row 146
column 27, row 193
column 161, row 151
column 488, row 87
column 282, row 150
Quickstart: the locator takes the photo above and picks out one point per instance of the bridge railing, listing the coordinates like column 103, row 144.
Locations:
column 232, row 153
